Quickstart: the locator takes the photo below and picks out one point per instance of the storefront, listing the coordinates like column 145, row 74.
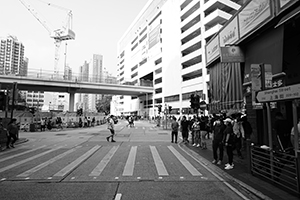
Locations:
column 268, row 35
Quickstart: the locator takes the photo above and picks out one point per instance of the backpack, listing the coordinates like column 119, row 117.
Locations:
column 115, row 120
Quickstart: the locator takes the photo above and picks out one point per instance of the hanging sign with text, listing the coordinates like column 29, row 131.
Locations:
column 279, row 94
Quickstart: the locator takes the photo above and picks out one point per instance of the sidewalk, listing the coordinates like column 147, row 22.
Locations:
column 239, row 174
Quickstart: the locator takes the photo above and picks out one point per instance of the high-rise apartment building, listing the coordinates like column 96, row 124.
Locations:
column 11, row 56
column 83, row 99
column 97, row 77
column 166, row 45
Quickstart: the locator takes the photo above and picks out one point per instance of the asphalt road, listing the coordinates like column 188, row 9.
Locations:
column 80, row 164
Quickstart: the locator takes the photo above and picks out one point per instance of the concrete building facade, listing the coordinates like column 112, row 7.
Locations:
column 165, row 44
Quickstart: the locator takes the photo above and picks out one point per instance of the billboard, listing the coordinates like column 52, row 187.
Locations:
column 253, row 14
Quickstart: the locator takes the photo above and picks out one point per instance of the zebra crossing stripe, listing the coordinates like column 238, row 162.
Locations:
column 28, row 159
column 129, row 166
column 19, row 154
column 77, row 162
column 185, row 162
column 160, row 167
column 100, row 167
column 52, row 160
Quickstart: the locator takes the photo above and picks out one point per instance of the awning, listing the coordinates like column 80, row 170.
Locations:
column 225, row 87
column 289, row 16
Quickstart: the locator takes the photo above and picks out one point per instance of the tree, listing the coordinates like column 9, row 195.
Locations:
column 103, row 105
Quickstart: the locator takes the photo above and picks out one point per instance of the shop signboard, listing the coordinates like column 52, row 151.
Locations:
column 252, row 15
column 230, row 33
column 255, row 84
column 278, row 94
column 212, row 50
column 231, row 54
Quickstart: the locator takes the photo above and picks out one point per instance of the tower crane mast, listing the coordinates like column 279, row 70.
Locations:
column 62, row 34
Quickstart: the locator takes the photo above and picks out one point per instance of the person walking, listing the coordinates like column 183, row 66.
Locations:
column 111, row 127
column 43, row 124
column 196, row 131
column 217, row 143
column 174, row 127
column 13, row 131
column 203, row 132
column 229, row 142
column 239, row 135
column 184, row 126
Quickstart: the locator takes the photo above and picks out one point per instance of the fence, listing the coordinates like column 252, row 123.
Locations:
column 279, row 168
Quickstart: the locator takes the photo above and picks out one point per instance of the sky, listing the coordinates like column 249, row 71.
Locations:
column 98, row 25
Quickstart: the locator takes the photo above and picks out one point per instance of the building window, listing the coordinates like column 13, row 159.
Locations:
column 172, row 98
column 157, row 81
column 158, row 90
column 158, row 71
column 158, row 61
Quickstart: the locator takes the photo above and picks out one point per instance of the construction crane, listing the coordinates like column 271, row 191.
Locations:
column 62, row 34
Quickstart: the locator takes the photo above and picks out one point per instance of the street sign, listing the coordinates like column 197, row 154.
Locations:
column 278, row 94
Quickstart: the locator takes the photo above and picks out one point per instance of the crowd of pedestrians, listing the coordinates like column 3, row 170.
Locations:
column 229, row 134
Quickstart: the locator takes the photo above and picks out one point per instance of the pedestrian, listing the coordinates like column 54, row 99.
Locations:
column 184, row 126
column 239, row 134
column 191, row 122
column 43, row 124
column 13, row 131
column 111, row 127
column 196, row 131
column 293, row 134
column 80, row 122
column 247, row 130
column 174, row 127
column 203, row 132
column 217, row 143
column 229, row 142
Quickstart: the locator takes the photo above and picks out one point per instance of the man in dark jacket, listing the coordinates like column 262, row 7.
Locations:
column 217, row 143
column 13, row 131
column 184, row 124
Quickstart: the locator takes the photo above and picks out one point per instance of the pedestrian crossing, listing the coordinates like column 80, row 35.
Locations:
column 101, row 163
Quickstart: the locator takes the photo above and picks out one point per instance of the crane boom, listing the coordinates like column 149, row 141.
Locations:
column 63, row 34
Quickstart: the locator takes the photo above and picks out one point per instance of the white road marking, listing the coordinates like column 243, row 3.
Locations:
column 219, row 177
column 185, row 162
column 48, row 162
column 100, row 167
column 77, row 162
column 19, row 154
column 28, row 159
column 160, row 167
column 118, row 196
column 129, row 166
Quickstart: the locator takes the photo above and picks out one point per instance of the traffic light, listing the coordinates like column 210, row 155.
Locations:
column 170, row 109
column 192, row 100
column 159, row 108
column 32, row 110
column 79, row 112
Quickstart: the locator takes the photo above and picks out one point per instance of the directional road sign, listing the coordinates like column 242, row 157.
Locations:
column 278, row 94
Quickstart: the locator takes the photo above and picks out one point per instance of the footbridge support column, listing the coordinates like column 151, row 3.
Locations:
column 71, row 101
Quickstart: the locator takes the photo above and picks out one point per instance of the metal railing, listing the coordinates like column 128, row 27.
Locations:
column 279, row 168
column 76, row 77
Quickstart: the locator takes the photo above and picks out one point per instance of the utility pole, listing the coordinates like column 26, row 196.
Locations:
column 14, row 89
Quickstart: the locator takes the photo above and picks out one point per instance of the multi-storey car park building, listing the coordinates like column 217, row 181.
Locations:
column 166, row 45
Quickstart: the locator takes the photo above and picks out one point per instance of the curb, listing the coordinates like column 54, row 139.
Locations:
column 221, row 173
